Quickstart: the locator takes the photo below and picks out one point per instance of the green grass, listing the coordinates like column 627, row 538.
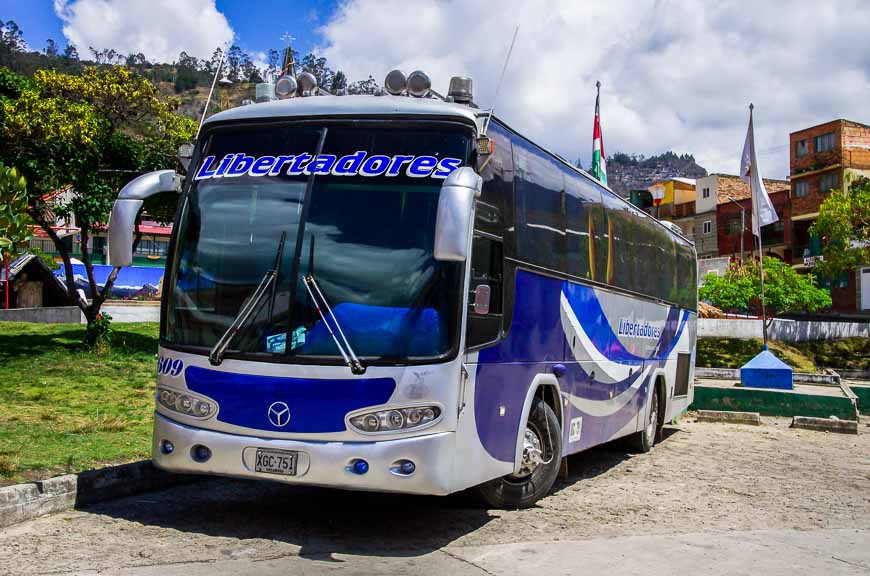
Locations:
column 64, row 408
column 849, row 353
column 734, row 353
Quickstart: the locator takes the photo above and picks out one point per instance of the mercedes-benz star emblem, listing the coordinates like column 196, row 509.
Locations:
column 279, row 414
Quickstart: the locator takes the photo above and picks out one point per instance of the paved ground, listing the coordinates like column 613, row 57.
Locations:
column 711, row 498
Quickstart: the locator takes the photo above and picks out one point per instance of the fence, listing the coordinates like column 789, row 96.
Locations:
column 784, row 330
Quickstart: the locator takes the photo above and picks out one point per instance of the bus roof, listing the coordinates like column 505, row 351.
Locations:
column 365, row 105
column 358, row 105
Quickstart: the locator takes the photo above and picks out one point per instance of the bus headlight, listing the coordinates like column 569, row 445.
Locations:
column 396, row 419
column 183, row 403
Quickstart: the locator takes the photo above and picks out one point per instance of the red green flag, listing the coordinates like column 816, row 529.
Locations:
column 599, row 162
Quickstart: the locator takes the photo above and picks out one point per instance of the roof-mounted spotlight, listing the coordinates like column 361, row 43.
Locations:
column 285, row 87
column 461, row 89
column 396, row 82
column 419, row 84
column 307, row 83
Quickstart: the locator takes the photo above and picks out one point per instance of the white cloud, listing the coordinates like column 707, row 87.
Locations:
column 675, row 74
column 159, row 29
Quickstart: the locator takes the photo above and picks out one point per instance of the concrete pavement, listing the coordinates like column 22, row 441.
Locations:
column 767, row 552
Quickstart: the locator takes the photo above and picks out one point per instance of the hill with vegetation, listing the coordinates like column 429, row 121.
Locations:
column 188, row 78
column 631, row 172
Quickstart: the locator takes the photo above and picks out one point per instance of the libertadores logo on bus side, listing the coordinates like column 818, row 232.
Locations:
column 357, row 164
column 641, row 329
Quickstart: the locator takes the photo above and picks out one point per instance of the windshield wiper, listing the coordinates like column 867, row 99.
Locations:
column 349, row 357
column 216, row 356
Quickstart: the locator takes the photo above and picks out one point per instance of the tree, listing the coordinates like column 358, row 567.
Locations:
column 319, row 67
column 339, row 82
column 51, row 48
column 71, row 52
column 785, row 290
column 92, row 133
column 11, row 37
column 11, row 42
column 844, row 227
column 14, row 221
column 233, row 63
column 368, row 86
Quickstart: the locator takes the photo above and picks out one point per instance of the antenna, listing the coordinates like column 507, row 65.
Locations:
column 500, row 80
column 211, row 91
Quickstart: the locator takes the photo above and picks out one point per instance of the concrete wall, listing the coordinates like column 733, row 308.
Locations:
column 133, row 312
column 785, row 330
column 48, row 315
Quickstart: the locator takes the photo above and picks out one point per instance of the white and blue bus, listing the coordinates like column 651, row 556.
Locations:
column 364, row 293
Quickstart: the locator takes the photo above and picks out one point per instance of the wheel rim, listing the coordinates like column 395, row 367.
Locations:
column 653, row 417
column 533, row 454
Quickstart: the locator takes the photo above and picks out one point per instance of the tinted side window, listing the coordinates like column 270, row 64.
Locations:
column 687, row 281
column 486, row 269
column 582, row 200
column 539, row 189
column 667, row 268
column 601, row 271
column 648, row 237
column 498, row 183
column 626, row 235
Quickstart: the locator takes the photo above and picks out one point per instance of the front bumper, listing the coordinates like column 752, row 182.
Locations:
column 319, row 464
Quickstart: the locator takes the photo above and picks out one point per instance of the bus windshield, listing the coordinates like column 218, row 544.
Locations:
column 358, row 218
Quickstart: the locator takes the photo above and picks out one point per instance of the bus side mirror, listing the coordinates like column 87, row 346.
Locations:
column 455, row 214
column 122, row 222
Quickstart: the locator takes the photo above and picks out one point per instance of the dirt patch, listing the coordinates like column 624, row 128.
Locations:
column 701, row 478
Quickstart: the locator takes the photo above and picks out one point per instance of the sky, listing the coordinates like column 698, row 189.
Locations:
column 676, row 74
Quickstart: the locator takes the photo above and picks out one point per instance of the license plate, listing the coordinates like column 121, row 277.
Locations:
column 276, row 462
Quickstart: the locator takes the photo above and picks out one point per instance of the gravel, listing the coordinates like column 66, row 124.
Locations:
column 702, row 478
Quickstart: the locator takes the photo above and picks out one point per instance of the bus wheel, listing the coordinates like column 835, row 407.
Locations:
column 643, row 441
column 542, row 454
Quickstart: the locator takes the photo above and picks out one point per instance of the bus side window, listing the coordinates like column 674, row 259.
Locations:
column 486, row 271
column 581, row 198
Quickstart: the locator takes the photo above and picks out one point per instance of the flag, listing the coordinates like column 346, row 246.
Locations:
column 599, row 162
column 763, row 212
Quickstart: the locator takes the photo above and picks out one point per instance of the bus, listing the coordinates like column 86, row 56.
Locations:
column 404, row 294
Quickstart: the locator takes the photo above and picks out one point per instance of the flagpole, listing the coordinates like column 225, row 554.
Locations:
column 757, row 222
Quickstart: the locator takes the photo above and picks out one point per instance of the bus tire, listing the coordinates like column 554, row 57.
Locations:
column 523, row 489
column 644, row 440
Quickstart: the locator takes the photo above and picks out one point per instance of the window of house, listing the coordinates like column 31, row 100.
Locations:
column 705, row 193
column 829, row 181
column 801, row 188
column 800, row 148
column 824, row 143
column 707, row 226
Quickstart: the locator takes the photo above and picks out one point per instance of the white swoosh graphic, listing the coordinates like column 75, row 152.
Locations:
column 585, row 351
column 602, row 408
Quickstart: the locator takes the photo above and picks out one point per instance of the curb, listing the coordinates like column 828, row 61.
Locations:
column 27, row 501
column 825, row 424
column 750, row 418
column 798, row 377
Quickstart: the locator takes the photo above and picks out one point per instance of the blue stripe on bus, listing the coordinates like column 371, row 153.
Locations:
column 536, row 341
column 316, row 404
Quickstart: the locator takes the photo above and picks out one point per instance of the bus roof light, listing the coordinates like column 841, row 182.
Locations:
column 396, row 82
column 285, row 87
column 307, row 83
column 461, row 89
column 419, row 84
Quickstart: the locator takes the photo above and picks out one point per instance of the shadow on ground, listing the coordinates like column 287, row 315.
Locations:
column 323, row 522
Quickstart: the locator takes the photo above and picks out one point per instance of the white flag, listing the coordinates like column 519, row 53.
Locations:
column 763, row 212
